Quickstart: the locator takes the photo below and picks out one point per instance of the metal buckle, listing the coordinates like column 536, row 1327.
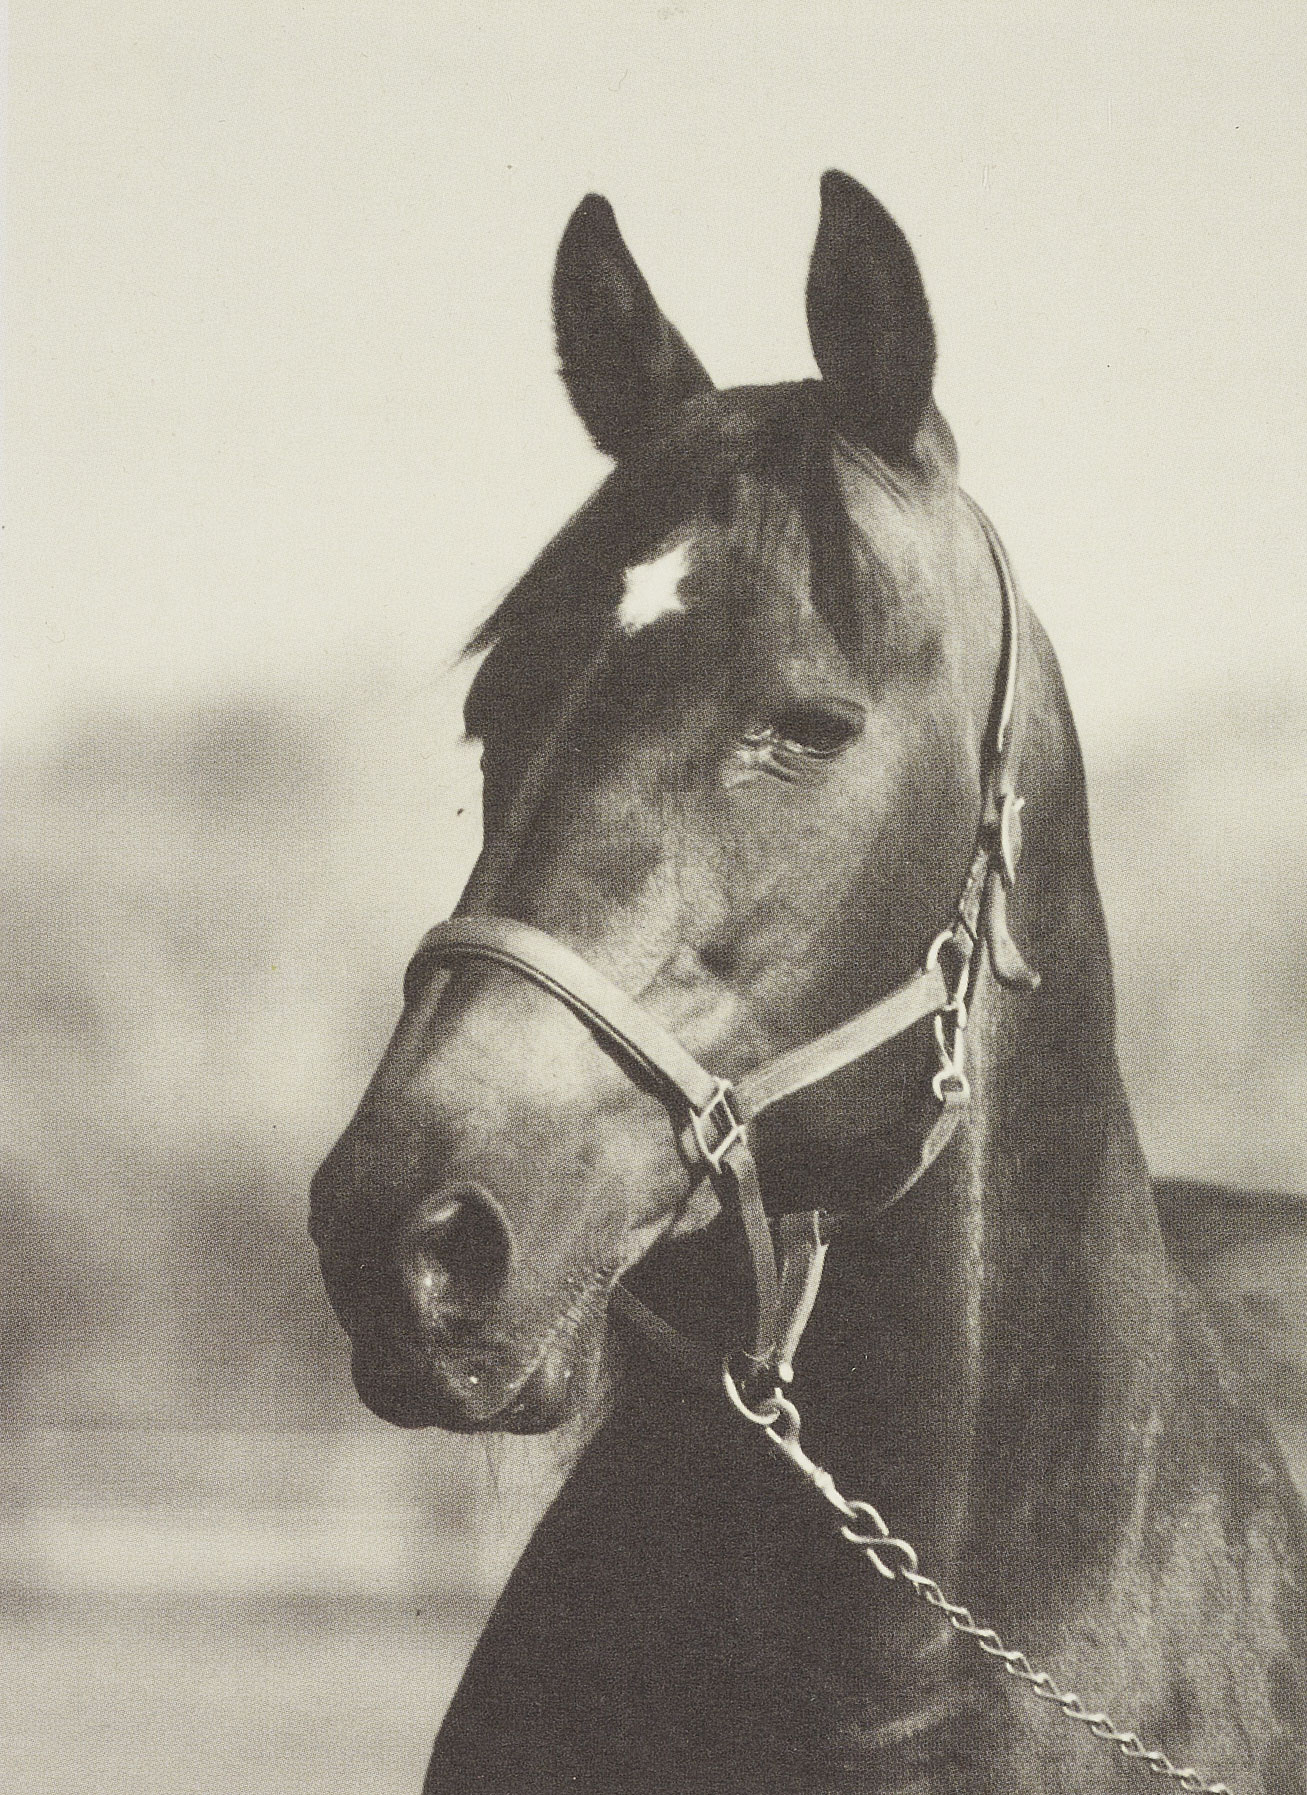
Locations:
column 950, row 1084
column 721, row 1115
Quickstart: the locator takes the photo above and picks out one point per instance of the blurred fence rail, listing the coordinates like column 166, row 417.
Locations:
column 370, row 1517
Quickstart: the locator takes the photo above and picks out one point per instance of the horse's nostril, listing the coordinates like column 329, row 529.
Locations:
column 454, row 1249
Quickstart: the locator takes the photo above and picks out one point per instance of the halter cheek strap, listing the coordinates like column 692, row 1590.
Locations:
column 714, row 1115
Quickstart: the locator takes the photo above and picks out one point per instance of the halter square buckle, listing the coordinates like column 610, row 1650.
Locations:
column 719, row 1117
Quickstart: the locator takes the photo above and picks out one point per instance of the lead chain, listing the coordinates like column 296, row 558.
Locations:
column 865, row 1528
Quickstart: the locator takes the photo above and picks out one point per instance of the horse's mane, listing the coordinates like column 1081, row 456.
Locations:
column 756, row 461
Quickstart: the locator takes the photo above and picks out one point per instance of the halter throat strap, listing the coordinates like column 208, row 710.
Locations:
column 713, row 1114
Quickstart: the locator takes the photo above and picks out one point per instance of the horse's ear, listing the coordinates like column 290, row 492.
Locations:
column 868, row 320
column 624, row 365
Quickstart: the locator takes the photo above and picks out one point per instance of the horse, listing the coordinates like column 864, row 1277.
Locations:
column 766, row 1073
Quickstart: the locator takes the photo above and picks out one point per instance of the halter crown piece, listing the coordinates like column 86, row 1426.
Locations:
column 714, row 1114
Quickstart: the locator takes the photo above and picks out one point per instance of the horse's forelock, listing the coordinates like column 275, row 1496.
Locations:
column 756, row 463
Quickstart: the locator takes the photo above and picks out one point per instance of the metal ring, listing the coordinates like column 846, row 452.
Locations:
column 766, row 1417
column 789, row 1414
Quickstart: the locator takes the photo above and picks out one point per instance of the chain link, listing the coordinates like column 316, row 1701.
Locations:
column 865, row 1528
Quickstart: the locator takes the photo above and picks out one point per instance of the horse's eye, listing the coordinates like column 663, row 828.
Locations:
column 816, row 731
column 799, row 735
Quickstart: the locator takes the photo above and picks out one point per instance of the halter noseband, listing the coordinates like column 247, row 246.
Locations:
column 715, row 1114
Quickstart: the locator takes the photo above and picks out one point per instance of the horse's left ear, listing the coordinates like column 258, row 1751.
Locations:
column 868, row 320
column 624, row 365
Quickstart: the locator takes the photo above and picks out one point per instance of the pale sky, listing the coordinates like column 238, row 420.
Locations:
column 281, row 382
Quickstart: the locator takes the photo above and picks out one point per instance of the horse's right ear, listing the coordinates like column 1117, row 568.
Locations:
column 868, row 320
column 624, row 365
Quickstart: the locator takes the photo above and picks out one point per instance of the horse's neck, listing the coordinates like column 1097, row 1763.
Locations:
column 991, row 1356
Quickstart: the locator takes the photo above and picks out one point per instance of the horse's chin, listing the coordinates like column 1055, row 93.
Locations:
column 557, row 1387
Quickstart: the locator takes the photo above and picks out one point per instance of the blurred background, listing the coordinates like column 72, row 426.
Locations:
column 283, row 423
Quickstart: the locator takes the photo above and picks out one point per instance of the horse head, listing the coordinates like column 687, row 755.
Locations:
column 732, row 722
column 751, row 725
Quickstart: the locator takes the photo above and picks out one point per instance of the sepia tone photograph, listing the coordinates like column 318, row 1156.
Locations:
column 655, row 862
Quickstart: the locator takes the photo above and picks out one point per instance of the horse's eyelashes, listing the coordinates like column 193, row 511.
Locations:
column 810, row 731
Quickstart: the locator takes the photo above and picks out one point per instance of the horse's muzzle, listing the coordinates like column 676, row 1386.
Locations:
column 431, row 1346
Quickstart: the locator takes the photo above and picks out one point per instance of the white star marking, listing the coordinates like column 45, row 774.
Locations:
column 651, row 590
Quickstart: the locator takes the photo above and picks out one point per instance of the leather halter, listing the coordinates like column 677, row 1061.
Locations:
column 715, row 1114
